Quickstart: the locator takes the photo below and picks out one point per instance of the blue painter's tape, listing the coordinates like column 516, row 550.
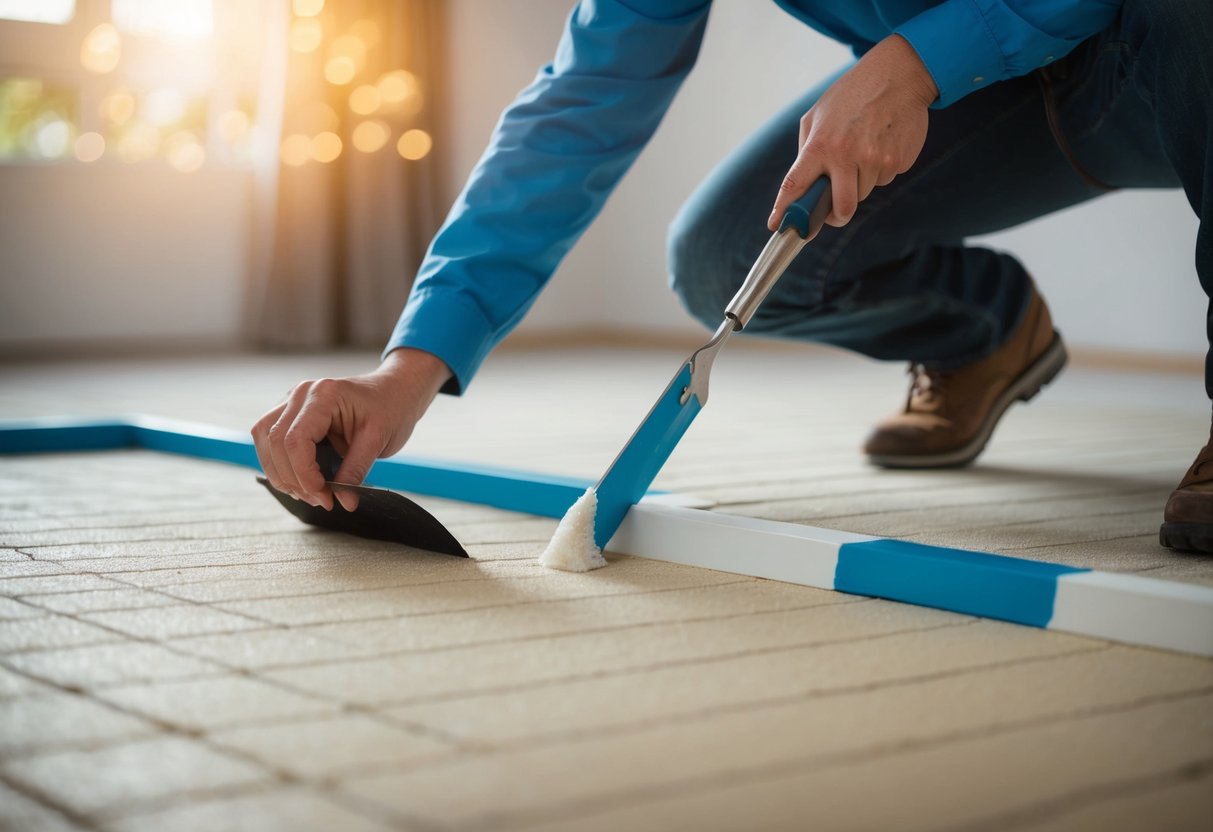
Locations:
column 222, row 449
column 546, row 495
column 634, row 470
column 51, row 436
column 977, row 583
column 513, row 490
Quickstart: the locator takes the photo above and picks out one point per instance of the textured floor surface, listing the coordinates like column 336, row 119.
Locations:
column 176, row 652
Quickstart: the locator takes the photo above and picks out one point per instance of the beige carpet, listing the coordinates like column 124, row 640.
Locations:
column 176, row 652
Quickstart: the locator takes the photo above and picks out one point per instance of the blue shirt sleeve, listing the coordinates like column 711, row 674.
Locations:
column 553, row 159
column 969, row 44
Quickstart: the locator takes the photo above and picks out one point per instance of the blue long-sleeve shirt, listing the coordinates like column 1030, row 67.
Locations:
column 561, row 147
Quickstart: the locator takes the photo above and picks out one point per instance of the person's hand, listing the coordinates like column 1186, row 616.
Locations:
column 867, row 128
column 365, row 417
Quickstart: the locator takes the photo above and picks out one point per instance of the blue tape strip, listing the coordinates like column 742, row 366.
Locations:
column 634, row 470
column 977, row 583
column 514, row 490
column 236, row 451
column 42, row 438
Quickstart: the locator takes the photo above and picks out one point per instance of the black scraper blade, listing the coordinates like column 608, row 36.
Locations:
column 381, row 515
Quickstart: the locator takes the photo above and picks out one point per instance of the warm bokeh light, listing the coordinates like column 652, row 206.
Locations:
column 369, row 136
column 414, row 144
column 163, row 106
column 140, row 143
column 306, row 34
column 157, row 18
column 102, row 49
column 350, row 46
column 340, row 70
column 52, row 138
column 396, row 86
column 316, row 116
column 296, row 150
column 118, row 107
column 185, row 152
column 90, row 147
column 326, row 146
column 364, row 100
column 367, row 31
column 233, row 126
column 307, row 8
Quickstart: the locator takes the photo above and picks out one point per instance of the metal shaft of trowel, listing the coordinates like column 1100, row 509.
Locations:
column 800, row 224
column 774, row 260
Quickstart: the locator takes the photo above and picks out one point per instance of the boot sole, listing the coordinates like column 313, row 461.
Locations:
column 1187, row 537
column 1042, row 371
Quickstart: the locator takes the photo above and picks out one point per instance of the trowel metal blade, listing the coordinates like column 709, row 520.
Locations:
column 633, row 471
column 381, row 515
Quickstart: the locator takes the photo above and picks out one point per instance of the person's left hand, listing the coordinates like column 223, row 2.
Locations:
column 867, row 128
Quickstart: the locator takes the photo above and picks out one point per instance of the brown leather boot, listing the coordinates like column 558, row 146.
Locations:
column 950, row 414
column 1188, row 518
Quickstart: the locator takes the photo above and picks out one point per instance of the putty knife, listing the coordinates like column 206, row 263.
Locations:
column 630, row 475
column 381, row 514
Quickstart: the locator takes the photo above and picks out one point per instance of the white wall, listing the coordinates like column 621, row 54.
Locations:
column 110, row 254
column 1118, row 272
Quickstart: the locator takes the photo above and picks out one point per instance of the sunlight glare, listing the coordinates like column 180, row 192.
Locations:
column 179, row 18
column 38, row 11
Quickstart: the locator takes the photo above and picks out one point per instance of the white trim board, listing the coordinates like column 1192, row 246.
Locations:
column 1119, row 607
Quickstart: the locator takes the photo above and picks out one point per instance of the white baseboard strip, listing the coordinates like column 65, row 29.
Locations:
column 1119, row 607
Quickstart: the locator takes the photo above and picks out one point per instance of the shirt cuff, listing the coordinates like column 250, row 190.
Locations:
column 449, row 325
column 955, row 43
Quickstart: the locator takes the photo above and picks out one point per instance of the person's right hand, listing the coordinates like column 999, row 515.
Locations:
column 365, row 417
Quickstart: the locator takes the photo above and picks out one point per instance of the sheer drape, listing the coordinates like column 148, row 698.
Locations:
column 344, row 233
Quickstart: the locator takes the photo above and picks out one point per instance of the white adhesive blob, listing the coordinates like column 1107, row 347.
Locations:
column 572, row 546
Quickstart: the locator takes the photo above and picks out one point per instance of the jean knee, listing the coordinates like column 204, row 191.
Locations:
column 1184, row 27
column 701, row 267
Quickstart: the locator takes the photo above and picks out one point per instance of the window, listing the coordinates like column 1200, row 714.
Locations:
column 149, row 82
column 182, row 18
column 38, row 11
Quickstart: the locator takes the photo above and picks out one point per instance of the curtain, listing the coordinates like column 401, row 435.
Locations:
column 355, row 199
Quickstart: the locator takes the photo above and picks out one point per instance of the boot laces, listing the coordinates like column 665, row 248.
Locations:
column 927, row 385
column 1202, row 459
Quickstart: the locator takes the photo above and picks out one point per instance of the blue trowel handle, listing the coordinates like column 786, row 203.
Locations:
column 808, row 213
column 802, row 220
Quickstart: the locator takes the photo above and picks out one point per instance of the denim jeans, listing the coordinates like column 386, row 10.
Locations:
column 1134, row 103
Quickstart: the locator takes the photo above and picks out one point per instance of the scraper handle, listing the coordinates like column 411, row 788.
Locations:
column 801, row 221
column 328, row 459
column 808, row 213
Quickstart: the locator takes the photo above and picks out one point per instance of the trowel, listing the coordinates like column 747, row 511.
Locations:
column 381, row 514
column 633, row 471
